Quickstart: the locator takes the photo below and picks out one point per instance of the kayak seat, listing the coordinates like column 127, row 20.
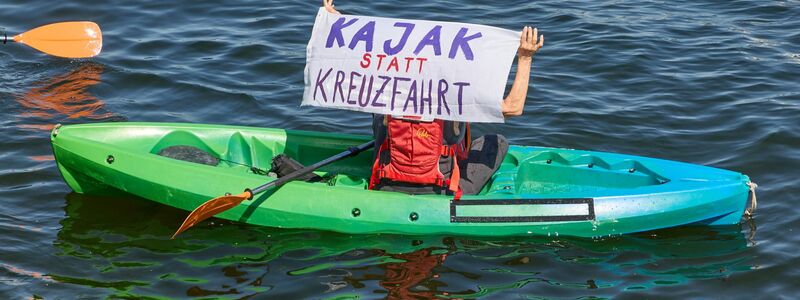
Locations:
column 190, row 154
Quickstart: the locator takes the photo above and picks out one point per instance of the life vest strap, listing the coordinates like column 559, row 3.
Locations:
column 446, row 150
column 455, row 178
column 377, row 170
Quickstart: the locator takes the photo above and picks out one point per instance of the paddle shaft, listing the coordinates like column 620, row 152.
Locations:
column 292, row 176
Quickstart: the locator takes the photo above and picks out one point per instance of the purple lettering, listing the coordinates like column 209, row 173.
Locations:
column 379, row 92
column 442, row 100
column 336, row 32
column 461, row 86
column 337, row 85
column 394, row 89
column 387, row 46
column 364, row 34
column 361, row 92
column 319, row 86
column 412, row 96
column 432, row 38
column 423, row 99
column 351, row 87
column 460, row 41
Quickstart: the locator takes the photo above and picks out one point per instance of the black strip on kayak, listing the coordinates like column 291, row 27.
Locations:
column 529, row 210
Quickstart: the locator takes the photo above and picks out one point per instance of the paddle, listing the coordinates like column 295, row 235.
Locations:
column 223, row 203
column 66, row 39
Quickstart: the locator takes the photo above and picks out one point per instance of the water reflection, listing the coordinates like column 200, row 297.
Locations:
column 65, row 96
column 126, row 241
column 412, row 277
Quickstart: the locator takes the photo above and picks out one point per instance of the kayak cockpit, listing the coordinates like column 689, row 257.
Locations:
column 254, row 153
column 525, row 170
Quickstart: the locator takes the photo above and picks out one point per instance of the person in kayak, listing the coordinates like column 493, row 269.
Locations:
column 437, row 157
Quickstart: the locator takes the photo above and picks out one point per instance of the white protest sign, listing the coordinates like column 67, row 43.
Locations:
column 442, row 70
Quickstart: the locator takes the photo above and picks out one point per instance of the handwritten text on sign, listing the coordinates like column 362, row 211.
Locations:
column 442, row 70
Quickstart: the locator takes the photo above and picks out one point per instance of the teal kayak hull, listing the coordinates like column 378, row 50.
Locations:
column 536, row 191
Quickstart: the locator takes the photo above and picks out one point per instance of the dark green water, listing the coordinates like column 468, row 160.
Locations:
column 703, row 82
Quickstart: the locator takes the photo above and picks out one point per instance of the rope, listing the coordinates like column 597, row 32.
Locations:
column 252, row 168
column 750, row 211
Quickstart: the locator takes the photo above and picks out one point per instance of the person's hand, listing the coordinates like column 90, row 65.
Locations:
column 328, row 4
column 529, row 42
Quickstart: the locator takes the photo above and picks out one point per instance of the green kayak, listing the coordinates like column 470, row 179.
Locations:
column 537, row 190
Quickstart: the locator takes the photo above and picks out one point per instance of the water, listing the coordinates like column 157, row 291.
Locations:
column 703, row 82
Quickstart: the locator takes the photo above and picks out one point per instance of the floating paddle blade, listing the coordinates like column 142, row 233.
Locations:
column 211, row 208
column 67, row 39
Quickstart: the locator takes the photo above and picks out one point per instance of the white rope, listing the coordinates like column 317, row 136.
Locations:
column 750, row 211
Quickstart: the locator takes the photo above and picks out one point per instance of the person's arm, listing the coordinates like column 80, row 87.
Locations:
column 328, row 4
column 529, row 43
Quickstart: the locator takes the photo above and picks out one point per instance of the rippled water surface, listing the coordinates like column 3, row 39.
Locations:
column 711, row 83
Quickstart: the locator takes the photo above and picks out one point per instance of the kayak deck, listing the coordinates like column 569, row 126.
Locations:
column 536, row 190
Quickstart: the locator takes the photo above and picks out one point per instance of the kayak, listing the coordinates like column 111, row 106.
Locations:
column 536, row 190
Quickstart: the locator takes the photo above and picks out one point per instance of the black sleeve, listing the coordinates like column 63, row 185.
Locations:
column 450, row 136
column 378, row 129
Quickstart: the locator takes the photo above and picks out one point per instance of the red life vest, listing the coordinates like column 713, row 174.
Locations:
column 415, row 148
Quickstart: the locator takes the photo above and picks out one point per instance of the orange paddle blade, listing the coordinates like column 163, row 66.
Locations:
column 211, row 208
column 66, row 39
